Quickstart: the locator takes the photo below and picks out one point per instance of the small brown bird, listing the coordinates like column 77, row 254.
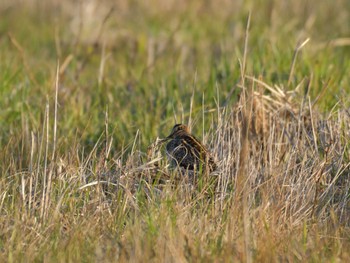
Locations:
column 185, row 151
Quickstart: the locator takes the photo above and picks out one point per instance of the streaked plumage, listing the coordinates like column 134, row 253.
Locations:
column 185, row 151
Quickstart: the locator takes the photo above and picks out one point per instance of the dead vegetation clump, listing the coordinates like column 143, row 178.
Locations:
column 298, row 164
column 283, row 174
column 294, row 186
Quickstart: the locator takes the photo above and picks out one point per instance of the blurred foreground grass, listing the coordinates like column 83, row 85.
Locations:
column 127, row 70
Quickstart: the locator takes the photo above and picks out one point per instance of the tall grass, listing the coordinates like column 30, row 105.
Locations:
column 86, row 89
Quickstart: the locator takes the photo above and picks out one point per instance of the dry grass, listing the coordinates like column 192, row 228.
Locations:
column 129, row 209
column 77, row 180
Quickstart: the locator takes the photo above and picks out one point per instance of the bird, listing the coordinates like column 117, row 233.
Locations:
column 186, row 151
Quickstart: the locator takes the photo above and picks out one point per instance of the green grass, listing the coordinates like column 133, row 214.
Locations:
column 127, row 71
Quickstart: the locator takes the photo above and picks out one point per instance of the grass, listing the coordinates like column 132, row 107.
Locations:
column 77, row 180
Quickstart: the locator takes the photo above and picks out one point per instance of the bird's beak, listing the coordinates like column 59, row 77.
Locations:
column 170, row 136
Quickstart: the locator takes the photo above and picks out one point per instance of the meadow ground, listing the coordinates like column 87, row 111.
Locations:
column 86, row 87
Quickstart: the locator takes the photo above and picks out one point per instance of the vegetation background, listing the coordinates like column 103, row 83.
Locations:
column 87, row 86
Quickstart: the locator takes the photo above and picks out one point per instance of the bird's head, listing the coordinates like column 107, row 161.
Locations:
column 178, row 130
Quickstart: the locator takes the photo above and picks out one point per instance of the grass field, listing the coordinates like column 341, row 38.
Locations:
column 87, row 86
